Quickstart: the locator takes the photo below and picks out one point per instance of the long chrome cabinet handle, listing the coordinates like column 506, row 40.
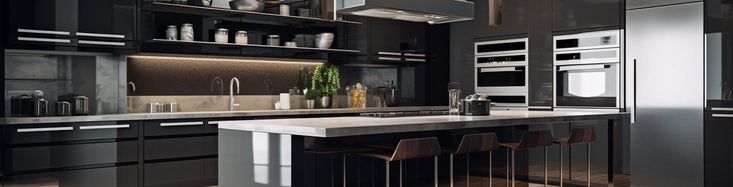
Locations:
column 34, row 39
column 721, row 109
column 100, row 35
column 123, row 126
column 389, row 58
column 414, row 55
column 35, row 31
column 101, row 43
column 181, row 124
column 45, row 129
column 723, row 115
column 389, row 53
column 415, row 60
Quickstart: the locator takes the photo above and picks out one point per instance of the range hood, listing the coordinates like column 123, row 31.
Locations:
column 431, row 11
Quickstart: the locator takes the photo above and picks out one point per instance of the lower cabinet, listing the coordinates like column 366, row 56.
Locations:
column 199, row 172
column 122, row 176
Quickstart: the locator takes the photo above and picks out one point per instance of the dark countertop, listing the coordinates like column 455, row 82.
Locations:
column 212, row 115
column 357, row 125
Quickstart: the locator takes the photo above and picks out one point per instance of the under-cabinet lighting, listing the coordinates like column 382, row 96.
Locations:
column 245, row 60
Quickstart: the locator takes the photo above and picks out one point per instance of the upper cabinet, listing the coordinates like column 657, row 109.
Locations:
column 586, row 14
column 500, row 17
column 85, row 25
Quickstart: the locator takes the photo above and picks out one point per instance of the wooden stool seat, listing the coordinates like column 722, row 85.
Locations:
column 472, row 143
column 532, row 139
column 577, row 136
column 406, row 149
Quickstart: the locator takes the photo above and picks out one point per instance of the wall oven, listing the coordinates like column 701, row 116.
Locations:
column 501, row 71
column 588, row 71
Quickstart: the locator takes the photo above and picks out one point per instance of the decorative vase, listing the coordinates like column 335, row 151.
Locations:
column 310, row 104
column 325, row 102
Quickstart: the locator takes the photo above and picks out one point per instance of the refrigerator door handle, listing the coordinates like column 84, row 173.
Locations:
column 633, row 119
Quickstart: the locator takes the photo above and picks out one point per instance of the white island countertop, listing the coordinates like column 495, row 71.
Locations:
column 355, row 126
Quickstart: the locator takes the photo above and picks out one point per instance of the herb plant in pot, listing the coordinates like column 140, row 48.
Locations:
column 326, row 82
column 310, row 98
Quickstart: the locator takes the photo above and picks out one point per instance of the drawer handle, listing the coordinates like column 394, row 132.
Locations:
column 124, row 126
column 181, row 124
column 414, row 55
column 33, row 39
column 390, row 58
column 120, row 36
column 723, row 115
column 414, row 60
column 46, row 129
column 721, row 109
column 101, row 43
column 388, row 53
column 34, row 31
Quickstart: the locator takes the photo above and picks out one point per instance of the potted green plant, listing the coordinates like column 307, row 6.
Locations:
column 326, row 83
column 310, row 98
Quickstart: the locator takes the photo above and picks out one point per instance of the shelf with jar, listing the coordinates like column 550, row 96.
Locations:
column 297, row 13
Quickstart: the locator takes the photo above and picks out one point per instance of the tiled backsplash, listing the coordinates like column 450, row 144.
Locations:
column 137, row 104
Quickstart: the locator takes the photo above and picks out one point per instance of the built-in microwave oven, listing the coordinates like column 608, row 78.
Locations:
column 588, row 71
column 501, row 71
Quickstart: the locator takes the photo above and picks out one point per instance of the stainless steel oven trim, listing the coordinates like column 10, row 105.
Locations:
column 524, row 88
column 517, row 63
column 617, row 33
column 525, row 40
column 581, row 67
column 619, row 97
column 615, row 59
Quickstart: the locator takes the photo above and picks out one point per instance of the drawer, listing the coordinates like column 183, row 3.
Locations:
column 123, row 176
column 201, row 172
column 24, row 134
column 180, row 147
column 64, row 156
column 178, row 127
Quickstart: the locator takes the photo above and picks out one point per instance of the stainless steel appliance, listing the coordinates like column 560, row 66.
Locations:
column 63, row 108
column 40, row 104
column 475, row 105
column 665, row 52
column 501, row 72
column 431, row 11
column 588, row 71
column 79, row 103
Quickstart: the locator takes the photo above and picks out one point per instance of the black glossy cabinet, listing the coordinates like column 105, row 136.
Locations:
column 83, row 25
column 718, row 149
column 200, row 172
column 122, row 176
column 511, row 18
column 586, row 14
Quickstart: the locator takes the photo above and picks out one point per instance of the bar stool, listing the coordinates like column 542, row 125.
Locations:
column 472, row 143
column 407, row 149
column 343, row 150
column 577, row 136
column 532, row 139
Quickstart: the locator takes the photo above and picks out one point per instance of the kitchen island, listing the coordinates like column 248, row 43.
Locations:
column 272, row 152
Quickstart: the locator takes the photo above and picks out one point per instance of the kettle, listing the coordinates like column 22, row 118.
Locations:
column 39, row 104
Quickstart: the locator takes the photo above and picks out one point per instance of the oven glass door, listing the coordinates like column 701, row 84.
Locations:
column 501, row 76
column 592, row 85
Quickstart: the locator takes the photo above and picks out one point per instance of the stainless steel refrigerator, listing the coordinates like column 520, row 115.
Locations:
column 665, row 93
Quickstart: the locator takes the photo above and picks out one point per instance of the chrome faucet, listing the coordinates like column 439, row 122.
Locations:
column 132, row 85
column 231, row 93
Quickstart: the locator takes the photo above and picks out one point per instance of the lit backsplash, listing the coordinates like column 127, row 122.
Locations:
column 161, row 75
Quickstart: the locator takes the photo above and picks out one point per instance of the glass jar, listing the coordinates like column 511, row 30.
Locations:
column 187, row 32
column 241, row 38
column 171, row 33
column 357, row 95
column 221, row 36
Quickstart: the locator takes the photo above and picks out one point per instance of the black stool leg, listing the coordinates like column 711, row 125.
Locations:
column 507, row 167
column 468, row 170
column 588, row 173
column 452, row 182
column 561, row 178
column 545, row 155
column 386, row 179
column 491, row 176
column 435, row 166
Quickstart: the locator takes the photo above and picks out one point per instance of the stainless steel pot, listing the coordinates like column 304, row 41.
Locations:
column 324, row 40
column 247, row 5
column 310, row 104
column 63, row 108
column 80, row 105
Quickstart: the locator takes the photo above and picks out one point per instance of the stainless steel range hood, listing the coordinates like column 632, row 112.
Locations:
column 431, row 11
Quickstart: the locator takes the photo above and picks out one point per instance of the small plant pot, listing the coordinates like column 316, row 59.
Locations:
column 310, row 104
column 325, row 102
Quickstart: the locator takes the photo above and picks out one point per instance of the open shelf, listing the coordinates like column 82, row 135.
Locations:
column 245, row 15
column 298, row 49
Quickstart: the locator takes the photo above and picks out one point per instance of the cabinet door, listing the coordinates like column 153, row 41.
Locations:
column 123, row 176
column 41, row 22
column 635, row 4
column 585, row 14
column 170, row 148
column 201, row 172
column 507, row 17
column 25, row 159
column 718, row 149
column 178, row 128
column 49, row 133
column 106, row 24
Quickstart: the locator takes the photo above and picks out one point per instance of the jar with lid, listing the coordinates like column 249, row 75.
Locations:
column 241, row 37
column 221, row 36
column 357, row 95
column 273, row 40
column 187, row 32
column 171, row 33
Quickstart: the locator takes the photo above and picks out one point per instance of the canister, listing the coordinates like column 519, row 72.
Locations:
column 171, row 33
column 241, row 37
column 187, row 32
column 273, row 40
column 221, row 36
